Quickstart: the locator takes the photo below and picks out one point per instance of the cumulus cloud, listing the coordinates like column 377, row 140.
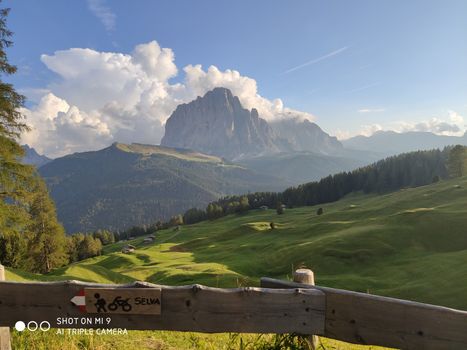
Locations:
column 101, row 97
column 454, row 125
column 198, row 81
column 59, row 128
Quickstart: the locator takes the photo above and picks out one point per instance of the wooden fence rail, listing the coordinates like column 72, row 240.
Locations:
column 374, row 320
column 277, row 307
column 187, row 308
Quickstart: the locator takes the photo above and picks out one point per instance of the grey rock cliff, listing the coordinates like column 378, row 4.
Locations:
column 218, row 124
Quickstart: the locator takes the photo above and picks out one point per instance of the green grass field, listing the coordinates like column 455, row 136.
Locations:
column 411, row 244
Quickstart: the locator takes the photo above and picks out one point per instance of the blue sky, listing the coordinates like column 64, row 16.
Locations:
column 360, row 65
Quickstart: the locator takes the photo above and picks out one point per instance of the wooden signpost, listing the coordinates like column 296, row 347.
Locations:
column 137, row 301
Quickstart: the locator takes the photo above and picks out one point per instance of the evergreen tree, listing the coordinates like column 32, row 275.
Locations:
column 13, row 249
column 89, row 247
column 105, row 236
column 72, row 244
column 46, row 248
column 16, row 179
column 457, row 161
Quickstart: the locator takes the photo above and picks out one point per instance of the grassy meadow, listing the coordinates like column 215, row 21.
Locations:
column 410, row 244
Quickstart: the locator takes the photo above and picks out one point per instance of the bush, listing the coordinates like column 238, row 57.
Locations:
column 320, row 211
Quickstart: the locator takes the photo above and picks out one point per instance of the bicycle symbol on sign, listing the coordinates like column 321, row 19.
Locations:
column 120, row 302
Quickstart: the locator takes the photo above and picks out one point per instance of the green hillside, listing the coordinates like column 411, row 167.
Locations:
column 125, row 185
column 403, row 244
column 410, row 244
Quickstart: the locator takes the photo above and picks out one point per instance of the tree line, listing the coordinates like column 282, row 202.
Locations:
column 405, row 170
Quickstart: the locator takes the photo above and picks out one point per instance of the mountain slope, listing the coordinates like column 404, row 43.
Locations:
column 125, row 185
column 400, row 244
column 388, row 143
column 34, row 158
column 302, row 167
column 304, row 135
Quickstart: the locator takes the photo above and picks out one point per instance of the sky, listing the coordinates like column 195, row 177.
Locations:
column 99, row 71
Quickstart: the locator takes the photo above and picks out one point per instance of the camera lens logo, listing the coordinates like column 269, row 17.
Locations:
column 32, row 326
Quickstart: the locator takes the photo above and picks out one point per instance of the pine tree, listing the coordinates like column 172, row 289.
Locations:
column 89, row 247
column 457, row 161
column 16, row 179
column 46, row 248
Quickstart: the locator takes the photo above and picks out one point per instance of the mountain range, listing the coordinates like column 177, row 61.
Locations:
column 212, row 147
column 125, row 185
column 387, row 143
column 218, row 124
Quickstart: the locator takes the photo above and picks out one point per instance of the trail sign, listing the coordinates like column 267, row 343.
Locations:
column 141, row 301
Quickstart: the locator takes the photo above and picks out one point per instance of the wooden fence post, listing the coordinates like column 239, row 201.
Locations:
column 4, row 331
column 307, row 276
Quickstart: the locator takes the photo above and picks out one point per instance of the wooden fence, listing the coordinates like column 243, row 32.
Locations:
column 277, row 307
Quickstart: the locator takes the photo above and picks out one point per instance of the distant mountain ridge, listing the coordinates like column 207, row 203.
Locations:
column 126, row 185
column 389, row 143
column 218, row 124
column 307, row 136
column 33, row 158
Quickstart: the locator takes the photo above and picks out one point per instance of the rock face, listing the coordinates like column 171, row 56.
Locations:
column 304, row 135
column 218, row 124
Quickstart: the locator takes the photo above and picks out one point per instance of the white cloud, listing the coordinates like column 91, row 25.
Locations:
column 103, row 97
column 366, row 130
column 454, row 125
column 103, row 13
column 371, row 110
column 199, row 81
column 451, row 125
column 59, row 128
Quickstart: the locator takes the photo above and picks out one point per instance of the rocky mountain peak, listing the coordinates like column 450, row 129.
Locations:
column 218, row 124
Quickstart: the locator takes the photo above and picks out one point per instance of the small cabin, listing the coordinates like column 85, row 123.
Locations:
column 148, row 240
column 128, row 249
column 264, row 207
